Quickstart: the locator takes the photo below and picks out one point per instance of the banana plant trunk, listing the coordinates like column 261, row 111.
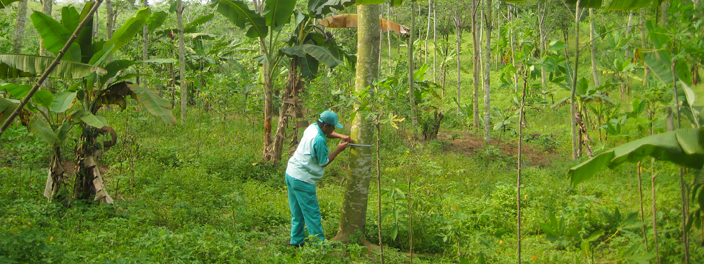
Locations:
column 354, row 205
column 89, row 181
column 55, row 178
column 290, row 111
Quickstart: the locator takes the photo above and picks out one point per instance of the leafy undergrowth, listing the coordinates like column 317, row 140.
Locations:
column 196, row 193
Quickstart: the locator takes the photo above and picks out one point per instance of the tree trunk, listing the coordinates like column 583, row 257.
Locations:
column 487, row 71
column 181, row 60
column 427, row 34
column 111, row 19
column 289, row 112
column 414, row 117
column 595, row 74
column 354, row 206
column 521, row 115
column 475, row 66
column 88, row 181
column 19, row 26
column 145, row 47
column 628, row 31
column 573, row 111
column 55, row 179
column 542, row 14
column 46, row 9
column 435, row 42
column 458, row 38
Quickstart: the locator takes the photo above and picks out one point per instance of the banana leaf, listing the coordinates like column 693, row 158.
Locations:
column 193, row 25
column 319, row 53
column 683, row 147
column 628, row 4
column 40, row 128
column 279, row 12
column 88, row 118
column 585, row 3
column 239, row 14
column 70, row 18
column 85, row 37
column 6, row 3
column 156, row 20
column 43, row 98
column 319, row 8
column 55, row 36
column 62, row 101
column 18, row 65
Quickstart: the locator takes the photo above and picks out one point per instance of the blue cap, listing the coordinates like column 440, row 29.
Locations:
column 330, row 118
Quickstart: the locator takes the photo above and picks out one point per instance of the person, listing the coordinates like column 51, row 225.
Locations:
column 305, row 168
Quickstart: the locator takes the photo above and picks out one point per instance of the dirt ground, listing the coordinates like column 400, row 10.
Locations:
column 468, row 144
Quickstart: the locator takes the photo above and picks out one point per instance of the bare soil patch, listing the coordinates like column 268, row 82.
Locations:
column 468, row 144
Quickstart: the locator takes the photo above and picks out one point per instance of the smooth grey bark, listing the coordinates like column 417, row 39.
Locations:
column 354, row 206
column 411, row 78
column 595, row 74
column 628, row 30
column 19, row 27
column 487, row 71
column 110, row 13
column 47, row 5
column 181, row 60
column 542, row 14
column 475, row 67
column 458, row 38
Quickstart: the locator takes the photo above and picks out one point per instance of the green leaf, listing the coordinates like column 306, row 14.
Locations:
column 6, row 108
column 115, row 67
column 683, row 147
column 16, row 90
column 70, row 18
column 595, row 235
column 6, row 3
column 87, row 118
column 659, row 62
column 129, row 29
column 43, row 98
column 585, row 3
column 628, row 4
column 85, row 37
column 55, row 36
column 16, row 65
column 279, row 12
column 154, row 104
column 156, row 20
column 62, row 132
column 320, row 8
column 40, row 128
column 193, row 25
column 319, row 53
column 239, row 14
column 62, row 101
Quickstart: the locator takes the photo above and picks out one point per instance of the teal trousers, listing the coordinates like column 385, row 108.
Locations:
column 305, row 210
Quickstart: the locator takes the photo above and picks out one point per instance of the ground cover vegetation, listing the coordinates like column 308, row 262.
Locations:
column 568, row 87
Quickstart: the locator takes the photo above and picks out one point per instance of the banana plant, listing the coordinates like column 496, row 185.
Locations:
column 94, row 84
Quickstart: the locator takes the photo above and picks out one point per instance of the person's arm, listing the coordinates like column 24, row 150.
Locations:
column 340, row 147
column 345, row 138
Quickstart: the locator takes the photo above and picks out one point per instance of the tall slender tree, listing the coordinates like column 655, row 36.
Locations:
column 487, row 71
column 475, row 65
column 145, row 45
column 182, row 60
column 354, row 206
column 411, row 91
column 458, row 38
column 19, row 26
column 592, row 45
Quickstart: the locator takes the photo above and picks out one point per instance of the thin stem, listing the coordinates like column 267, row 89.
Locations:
column 378, row 188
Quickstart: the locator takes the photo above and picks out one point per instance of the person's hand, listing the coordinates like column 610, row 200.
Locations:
column 342, row 146
column 346, row 138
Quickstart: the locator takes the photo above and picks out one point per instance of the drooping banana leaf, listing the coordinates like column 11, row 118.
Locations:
column 683, row 147
column 6, row 108
column 129, row 29
column 193, row 25
column 18, row 91
column 114, row 67
column 239, row 14
column 55, row 36
column 17, row 65
column 117, row 93
column 350, row 21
